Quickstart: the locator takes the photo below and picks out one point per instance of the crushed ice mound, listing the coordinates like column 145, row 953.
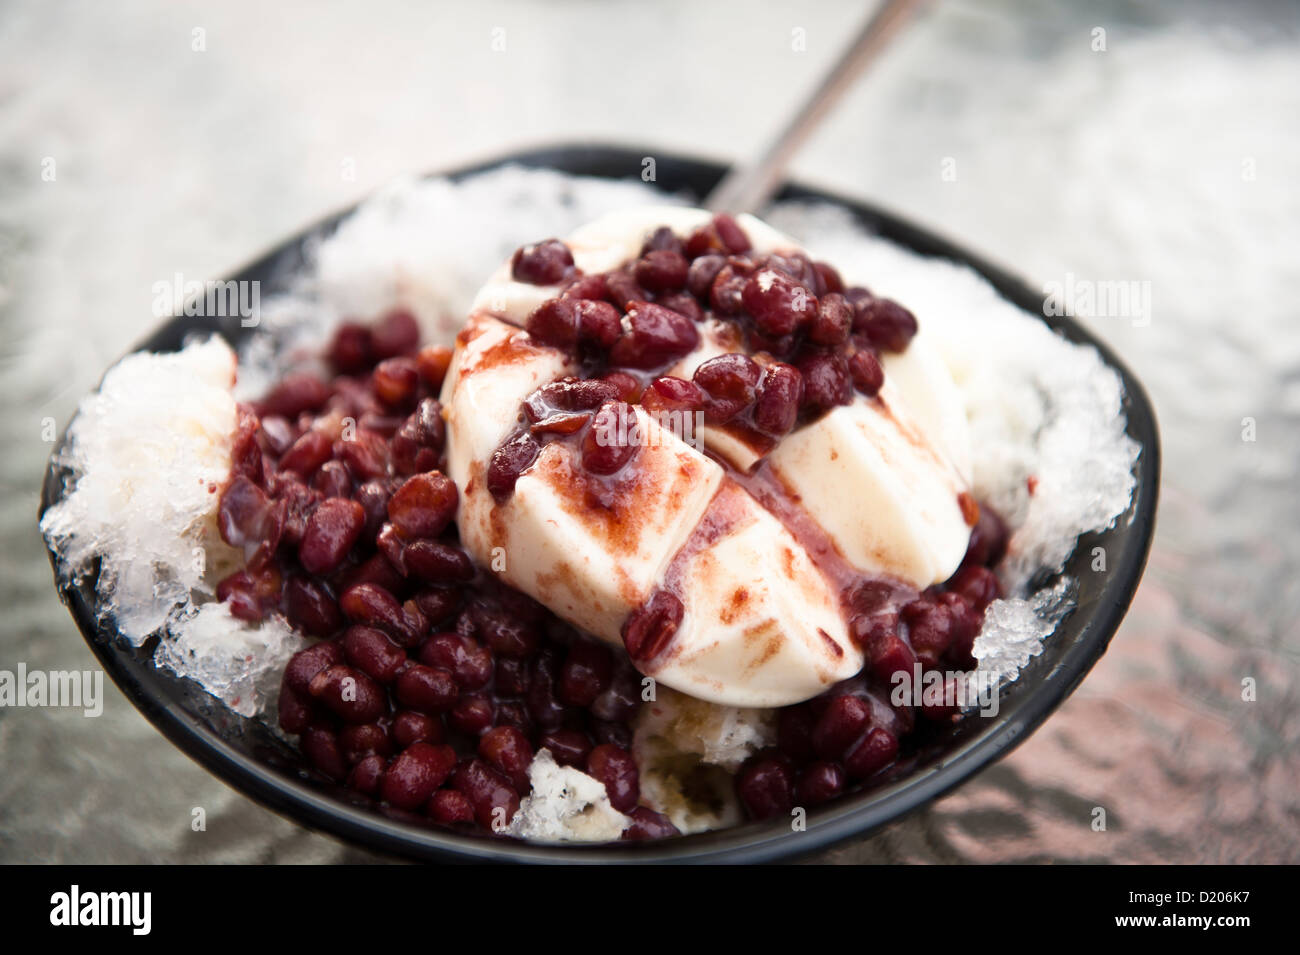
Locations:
column 148, row 454
column 237, row 662
column 566, row 805
column 1015, row 628
column 719, row 735
column 686, row 750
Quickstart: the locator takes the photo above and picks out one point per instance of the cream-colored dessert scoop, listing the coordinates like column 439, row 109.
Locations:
column 763, row 626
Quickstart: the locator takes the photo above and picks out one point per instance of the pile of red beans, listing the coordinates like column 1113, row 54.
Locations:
column 804, row 343
column 431, row 685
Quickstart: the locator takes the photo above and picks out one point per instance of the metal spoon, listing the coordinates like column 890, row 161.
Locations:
column 746, row 188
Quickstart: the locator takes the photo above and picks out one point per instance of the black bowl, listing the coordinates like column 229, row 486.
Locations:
column 249, row 757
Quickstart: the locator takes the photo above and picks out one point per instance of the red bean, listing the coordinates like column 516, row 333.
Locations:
column 543, row 705
column 437, row 604
column 568, row 747
column 438, row 563
column 876, row 751
column 730, row 383
column 509, row 752
column 586, row 672
column 721, row 234
column 887, row 652
column 508, row 634
column 246, row 517
column 411, row 726
column 373, row 605
column 348, row 692
column 628, row 387
column 779, row 305
column 620, row 699
column 424, row 505
column 512, row 676
column 673, row 394
column 662, row 270
column 663, row 238
column 622, row 289
column 826, row 381
column 509, row 461
column 655, row 336
column 472, row 715
column 368, row 775
column 867, row 374
column 650, row 628
column 988, row 540
column 295, row 710
column 586, row 286
column 726, row 297
column 307, row 453
column 331, row 531
column 819, row 783
column 495, row 801
column 886, row 324
column 606, row 731
column 415, row 773
column 433, row 362
column 542, row 263
column 351, row 350
column 397, row 333
column 451, row 807
column 428, row 689
column 555, row 323
column 469, row 663
column 305, row 664
column 833, row 321
column 611, row 441
column 648, row 824
column 297, row 392
column 779, row 396
column 765, row 786
column 568, row 394
column 373, row 653
column 704, row 270
column 321, row 747
column 977, row 584
column 332, row 480
column 615, row 767
column 840, row 726
column 930, row 630
column 357, row 741
column 374, row 570
column 830, row 278
column 794, row 726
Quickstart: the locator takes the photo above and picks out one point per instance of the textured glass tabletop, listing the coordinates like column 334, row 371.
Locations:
column 1076, row 144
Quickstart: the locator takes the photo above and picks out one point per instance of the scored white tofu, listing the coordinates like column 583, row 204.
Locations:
column 594, row 550
column 762, row 627
column 884, row 493
column 927, row 390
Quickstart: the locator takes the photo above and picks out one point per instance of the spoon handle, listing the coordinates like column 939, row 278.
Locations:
column 746, row 188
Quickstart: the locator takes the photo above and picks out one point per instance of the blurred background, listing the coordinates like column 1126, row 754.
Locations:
column 1153, row 142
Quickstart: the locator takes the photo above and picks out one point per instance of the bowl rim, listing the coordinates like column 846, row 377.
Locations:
column 858, row 814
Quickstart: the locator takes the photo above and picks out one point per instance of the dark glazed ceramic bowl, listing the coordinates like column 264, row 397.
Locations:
column 247, row 756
